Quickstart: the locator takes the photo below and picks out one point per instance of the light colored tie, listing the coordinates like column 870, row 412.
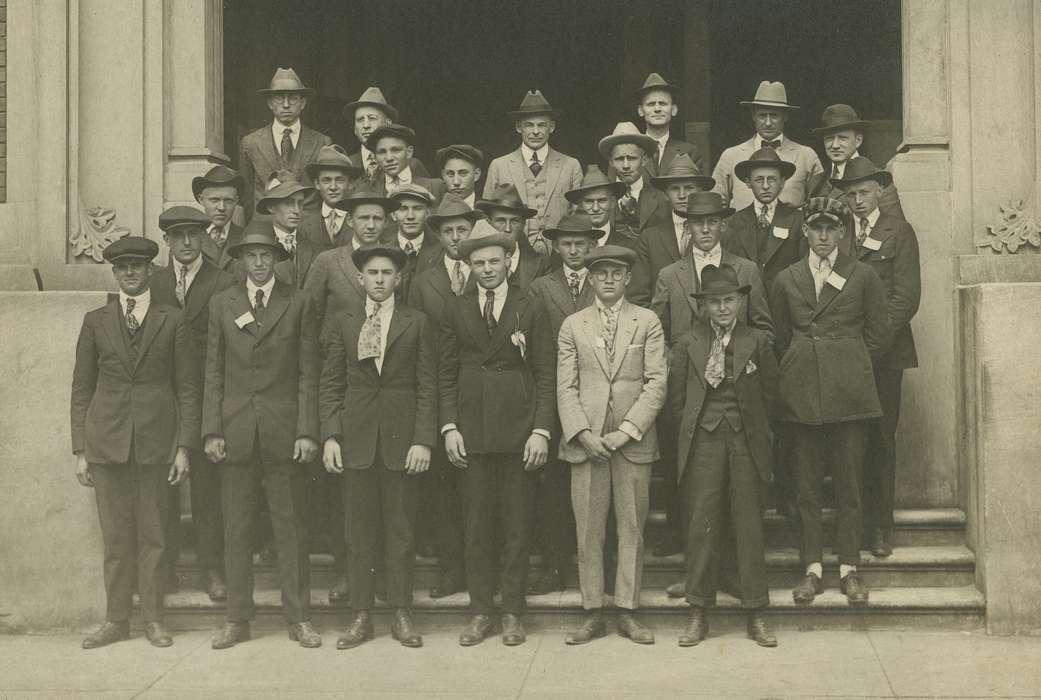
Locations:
column 369, row 338
column 330, row 223
column 132, row 325
column 764, row 219
column 219, row 234
column 458, row 279
column 863, row 232
column 290, row 244
column 823, row 270
column 715, row 367
column 661, row 152
column 371, row 167
column 181, row 290
column 685, row 239
column 609, row 320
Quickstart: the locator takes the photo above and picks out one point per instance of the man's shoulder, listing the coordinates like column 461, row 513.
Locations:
column 741, row 264
column 563, row 156
column 505, row 157
column 738, row 149
column 642, row 315
column 253, row 138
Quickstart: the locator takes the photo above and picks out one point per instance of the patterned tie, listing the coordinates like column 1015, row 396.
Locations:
column 370, row 169
column 287, row 145
column 627, row 203
column 369, row 338
column 661, row 152
column 458, row 278
column 685, row 239
column 863, row 232
column 575, row 287
column 536, row 166
column 609, row 321
column 290, row 244
column 219, row 234
column 764, row 219
column 330, row 224
column 258, row 306
column 132, row 325
column 489, row 311
column 715, row 368
column 775, row 144
column 181, row 289
column 410, row 250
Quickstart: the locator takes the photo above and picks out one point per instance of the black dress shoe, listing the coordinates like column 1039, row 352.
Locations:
column 447, row 584
column 230, row 634
column 760, row 631
column 358, row 632
column 808, row 589
column 216, row 589
column 880, row 545
column 856, row 590
column 475, row 632
column 269, row 555
column 629, row 626
column 157, row 635
column 402, row 629
column 593, row 627
column 106, row 634
column 676, row 590
column 697, row 628
column 550, row 581
column 340, row 591
column 513, row 633
column 305, row 633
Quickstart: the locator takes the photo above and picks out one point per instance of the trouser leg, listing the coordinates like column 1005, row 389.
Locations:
column 555, row 524
column 630, row 491
column 399, row 495
column 846, row 449
column 361, row 497
column 481, row 495
column 285, row 486
column 591, row 500
column 516, row 492
column 172, row 531
column 746, row 521
column 705, row 478
column 114, row 492
column 151, row 502
column 207, row 521
column 880, row 455
column 448, row 486
column 809, row 454
column 240, row 502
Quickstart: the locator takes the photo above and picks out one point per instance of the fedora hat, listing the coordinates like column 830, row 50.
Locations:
column 655, row 82
column 594, row 179
column 683, row 169
column 817, row 207
column 413, row 190
column 706, row 204
column 258, row 232
column 131, row 247
column 483, row 236
column 505, row 196
column 719, row 281
column 626, row 132
column 286, row 80
column 363, row 255
column 453, row 207
column 618, row 254
column 333, row 157
column 218, row 176
column 465, row 151
column 281, row 185
column 364, row 194
column 372, row 97
column 839, row 118
column 769, row 95
column 861, row 168
column 399, row 131
column 534, row 103
column 177, row 217
column 575, row 224
column 764, row 158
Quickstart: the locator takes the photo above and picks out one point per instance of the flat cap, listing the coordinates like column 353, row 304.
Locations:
column 412, row 190
column 817, row 207
column 175, row 217
column 131, row 247
column 617, row 254
column 399, row 131
column 465, row 151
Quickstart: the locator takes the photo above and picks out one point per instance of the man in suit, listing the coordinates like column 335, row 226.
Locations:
column 831, row 320
column 540, row 174
column 460, row 169
column 890, row 246
column 655, row 103
column 611, row 378
column 219, row 191
column 333, row 175
column 135, row 417
column 414, row 237
column 497, row 409
column 260, row 425
column 721, row 388
column 842, row 131
column 283, row 204
column 366, row 114
column 187, row 283
column 379, row 423
column 393, row 146
column 597, row 196
column 769, row 110
column 639, row 207
column 285, row 144
column 507, row 212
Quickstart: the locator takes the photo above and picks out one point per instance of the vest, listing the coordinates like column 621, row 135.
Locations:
column 535, row 197
column 721, row 401
column 133, row 344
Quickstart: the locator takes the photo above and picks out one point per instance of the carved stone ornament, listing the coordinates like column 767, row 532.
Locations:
column 1014, row 229
column 97, row 229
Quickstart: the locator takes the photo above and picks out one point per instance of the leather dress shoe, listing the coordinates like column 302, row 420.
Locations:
column 402, row 629
column 760, row 631
column 475, row 632
column 447, row 584
column 667, row 546
column 106, row 634
column 513, row 633
column 697, row 628
column 676, row 590
column 157, row 635
column 629, row 626
column 550, row 581
column 808, row 589
column 305, row 633
column 856, row 590
column 591, row 628
column 340, row 591
column 230, row 634
column 216, row 589
column 880, row 545
column 358, row 632
column 269, row 555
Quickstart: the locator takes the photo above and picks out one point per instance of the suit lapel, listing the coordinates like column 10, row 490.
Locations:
column 743, row 345
column 843, row 266
column 688, row 278
column 591, row 324
column 200, row 291
column 881, row 232
column 399, row 321
column 440, row 281
column 560, row 291
column 350, row 272
column 623, row 335
column 154, row 320
column 555, row 165
column 520, row 169
column 512, row 309
column 473, row 319
column 269, row 149
column 274, row 309
column 804, row 281
column 699, row 352
column 783, row 218
column 239, row 304
column 648, row 203
column 112, row 323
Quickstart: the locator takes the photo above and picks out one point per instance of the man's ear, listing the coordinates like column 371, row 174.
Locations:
column 639, row 110
column 477, row 173
column 409, row 150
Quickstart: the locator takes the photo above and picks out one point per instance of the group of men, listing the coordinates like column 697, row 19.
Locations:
column 478, row 373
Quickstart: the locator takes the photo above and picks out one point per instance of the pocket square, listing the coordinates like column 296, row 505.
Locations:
column 751, row 367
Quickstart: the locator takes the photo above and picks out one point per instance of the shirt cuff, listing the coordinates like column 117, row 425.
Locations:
column 448, row 426
column 543, row 433
column 630, row 429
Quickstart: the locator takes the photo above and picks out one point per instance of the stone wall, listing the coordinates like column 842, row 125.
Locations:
column 3, row 100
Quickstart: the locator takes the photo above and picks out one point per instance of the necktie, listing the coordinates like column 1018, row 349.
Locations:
column 458, row 278
column 369, row 338
column 764, row 219
column 536, row 166
column 410, row 250
column 823, row 270
column 489, row 311
column 574, row 286
column 863, row 232
column 685, row 239
column 132, row 324
column 775, row 144
column 661, row 152
column 258, row 306
column 181, row 290
column 219, row 234
column 610, row 324
column 330, row 224
column 290, row 243
column 287, row 145
column 370, row 168
column 627, row 203
column 715, row 367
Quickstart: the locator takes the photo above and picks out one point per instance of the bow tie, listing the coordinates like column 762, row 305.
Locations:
column 775, row 144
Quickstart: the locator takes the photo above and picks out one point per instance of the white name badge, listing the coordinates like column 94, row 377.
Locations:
column 244, row 320
column 836, row 280
column 872, row 243
column 781, row 233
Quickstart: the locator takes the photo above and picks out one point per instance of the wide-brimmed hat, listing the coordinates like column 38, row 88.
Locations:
column 719, row 281
column 534, row 103
column 363, row 255
column 413, row 190
column 281, row 185
column 452, row 206
column 364, row 194
column 655, row 82
column 861, row 168
column 618, row 254
column 258, row 232
column 218, row 176
column 465, row 151
column 286, row 80
column 764, row 158
column 706, row 204
column 683, row 169
column 769, row 95
column 839, row 118
column 626, row 132
column 132, row 248
column 575, row 224
column 396, row 130
column 505, row 196
column 333, row 157
column 817, row 207
column 372, row 97
column 594, row 179
column 176, row 217
column 483, row 236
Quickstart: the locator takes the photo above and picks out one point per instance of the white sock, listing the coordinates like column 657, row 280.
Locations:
column 815, row 568
column 845, row 569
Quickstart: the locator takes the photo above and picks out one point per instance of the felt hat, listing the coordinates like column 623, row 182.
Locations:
column 826, row 207
column 333, row 157
column 411, row 190
column 706, row 204
column 218, row 176
column 719, row 281
column 363, row 255
column 459, row 150
column 505, row 196
column 764, row 158
column 683, row 169
column 839, row 118
column 131, row 248
column 372, row 97
column 281, row 185
column 258, row 232
column 626, row 132
column 575, row 224
column 769, row 94
column 453, row 207
column 396, row 130
column 861, row 168
column 483, row 236
column 286, row 80
column 655, row 82
column 532, row 104
column 594, row 179
column 177, row 217
column 612, row 253
column 364, row 194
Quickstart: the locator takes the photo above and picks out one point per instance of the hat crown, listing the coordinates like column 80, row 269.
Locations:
column 826, row 206
column 452, row 205
column 535, row 103
column 575, row 222
column 654, row 80
column 286, row 80
column 506, row 195
column 700, row 203
column 460, row 150
column 682, row 166
column 182, row 216
column 220, row 173
column 333, row 155
column 594, row 177
column 860, row 168
column 374, row 95
column 838, row 114
column 766, row 154
column 611, row 253
column 413, row 190
column 771, row 92
column 131, row 247
column 626, row 129
column 719, row 280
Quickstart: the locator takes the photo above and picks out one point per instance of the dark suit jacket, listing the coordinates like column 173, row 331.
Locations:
column 293, row 271
column 261, row 381
column 655, row 250
column 554, row 292
column 495, row 397
column 896, row 262
column 755, row 385
column 152, row 404
column 742, row 238
column 418, row 169
column 429, row 254
column 312, row 227
column 531, row 265
column 219, row 255
column 889, row 203
column 259, row 157
column 673, row 148
column 652, row 209
column 333, row 286
column 827, row 346
column 196, row 312
column 395, row 408
column 431, row 290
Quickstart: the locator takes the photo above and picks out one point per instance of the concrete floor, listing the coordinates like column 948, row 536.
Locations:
column 807, row 664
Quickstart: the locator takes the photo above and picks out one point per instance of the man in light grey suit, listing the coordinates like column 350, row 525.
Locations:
column 611, row 377
column 769, row 109
column 540, row 174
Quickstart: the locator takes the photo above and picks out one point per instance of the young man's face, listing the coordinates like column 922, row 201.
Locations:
column 490, row 264
column 132, row 275
column 862, row 197
column 573, row 250
column 507, row 222
column 219, row 203
column 705, row 231
column 460, row 176
column 823, row 235
column 259, row 261
column 286, row 213
column 332, row 185
column 452, row 232
column 656, row 108
column 411, row 217
column 599, row 204
column 185, row 243
column 368, row 119
column 678, row 192
column 841, row 145
column 367, row 222
column 628, row 160
column 535, row 131
column 769, row 123
column 392, row 154
column 722, row 309
column 380, row 277
column 287, row 107
column 766, row 184
column 609, row 281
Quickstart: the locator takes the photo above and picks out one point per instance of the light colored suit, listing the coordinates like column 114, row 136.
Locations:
column 598, row 394
column 544, row 193
column 736, row 192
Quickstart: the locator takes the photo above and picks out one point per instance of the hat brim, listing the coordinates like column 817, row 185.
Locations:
column 182, row 224
column 578, row 194
column 473, row 216
column 882, row 177
column 351, row 170
column 767, row 103
column 200, row 183
column 264, row 202
column 745, row 167
column 350, row 203
column 487, row 205
column 469, row 246
column 235, row 249
column 844, row 126
column 667, row 87
column 130, row 256
column 552, row 234
column 351, row 107
column 646, row 143
column 704, row 181
column 305, row 91
column 724, row 212
column 551, row 113
column 743, row 289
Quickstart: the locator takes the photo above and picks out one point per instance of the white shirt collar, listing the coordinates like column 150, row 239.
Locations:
column 606, row 228
column 678, row 220
column 663, row 140
column 498, row 300
column 838, row 169
column 543, row 154
column 386, row 306
column 616, row 307
column 815, row 260
column 365, row 153
column 277, row 129
column 283, row 235
column 636, row 188
column 581, row 272
column 770, row 208
column 416, row 242
column 712, row 257
column 193, row 270
column 404, row 178
column 251, row 290
column 515, row 260
column 326, row 210
column 450, row 267
column 872, row 219
column 141, row 303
